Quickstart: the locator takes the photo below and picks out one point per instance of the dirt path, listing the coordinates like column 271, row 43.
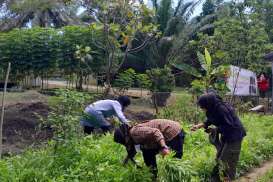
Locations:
column 256, row 173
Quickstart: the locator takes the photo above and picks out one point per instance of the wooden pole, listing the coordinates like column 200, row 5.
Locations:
column 272, row 90
column 3, row 109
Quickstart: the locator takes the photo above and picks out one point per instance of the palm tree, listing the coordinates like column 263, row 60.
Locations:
column 46, row 13
column 172, row 22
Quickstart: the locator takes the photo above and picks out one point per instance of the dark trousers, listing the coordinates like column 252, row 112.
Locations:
column 176, row 144
column 227, row 157
column 88, row 130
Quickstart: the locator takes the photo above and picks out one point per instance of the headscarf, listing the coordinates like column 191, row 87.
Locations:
column 119, row 136
column 208, row 101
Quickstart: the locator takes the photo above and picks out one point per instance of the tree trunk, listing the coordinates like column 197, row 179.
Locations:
column 155, row 102
column 42, row 81
column 87, row 83
column 97, row 84
column 79, row 82
column 108, row 75
column 47, row 81
column 3, row 110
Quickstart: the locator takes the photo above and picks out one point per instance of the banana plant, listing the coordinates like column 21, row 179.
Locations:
column 208, row 76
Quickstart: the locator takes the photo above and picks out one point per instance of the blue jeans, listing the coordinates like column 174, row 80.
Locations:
column 94, row 119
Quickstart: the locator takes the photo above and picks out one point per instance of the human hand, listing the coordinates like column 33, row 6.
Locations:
column 208, row 130
column 194, row 128
column 165, row 151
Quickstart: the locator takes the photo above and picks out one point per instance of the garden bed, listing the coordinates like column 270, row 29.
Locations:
column 101, row 159
column 21, row 126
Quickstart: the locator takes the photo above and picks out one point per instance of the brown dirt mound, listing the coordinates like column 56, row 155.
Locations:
column 20, row 128
column 139, row 116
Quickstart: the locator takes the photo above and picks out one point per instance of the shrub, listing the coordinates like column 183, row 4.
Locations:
column 162, row 79
column 65, row 115
column 143, row 81
column 125, row 80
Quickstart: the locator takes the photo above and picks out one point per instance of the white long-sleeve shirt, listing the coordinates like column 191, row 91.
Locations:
column 108, row 108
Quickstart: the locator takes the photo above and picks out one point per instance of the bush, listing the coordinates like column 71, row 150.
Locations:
column 125, row 80
column 162, row 79
column 184, row 109
column 66, row 112
column 143, row 81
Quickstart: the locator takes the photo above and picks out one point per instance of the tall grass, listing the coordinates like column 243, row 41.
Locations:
column 99, row 159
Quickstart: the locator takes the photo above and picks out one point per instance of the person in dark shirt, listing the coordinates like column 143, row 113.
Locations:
column 231, row 130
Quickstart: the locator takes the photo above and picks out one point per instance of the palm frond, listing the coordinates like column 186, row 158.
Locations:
column 177, row 8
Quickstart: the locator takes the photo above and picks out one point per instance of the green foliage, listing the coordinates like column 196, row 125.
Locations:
column 130, row 78
column 73, row 42
column 208, row 7
column 46, row 13
column 41, row 51
column 237, row 42
column 143, row 81
column 162, row 79
column 32, row 51
column 184, row 109
column 64, row 117
column 121, row 22
column 164, row 13
column 90, row 159
column 262, row 11
column 100, row 159
column 209, row 77
column 125, row 79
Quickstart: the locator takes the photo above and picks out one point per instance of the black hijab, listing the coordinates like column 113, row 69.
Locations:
column 208, row 101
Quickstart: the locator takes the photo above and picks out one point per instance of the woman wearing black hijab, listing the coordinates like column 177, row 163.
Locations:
column 231, row 130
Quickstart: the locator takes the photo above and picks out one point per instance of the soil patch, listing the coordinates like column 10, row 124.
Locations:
column 139, row 116
column 255, row 173
column 20, row 128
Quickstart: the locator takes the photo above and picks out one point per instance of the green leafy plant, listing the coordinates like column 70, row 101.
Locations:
column 64, row 117
column 162, row 79
column 208, row 77
column 162, row 84
column 100, row 158
column 143, row 81
column 125, row 80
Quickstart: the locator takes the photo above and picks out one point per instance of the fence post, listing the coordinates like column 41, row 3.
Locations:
column 3, row 109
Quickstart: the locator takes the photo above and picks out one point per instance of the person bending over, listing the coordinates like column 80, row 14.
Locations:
column 96, row 113
column 154, row 137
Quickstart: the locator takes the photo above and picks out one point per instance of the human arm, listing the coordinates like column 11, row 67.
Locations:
column 118, row 110
column 145, row 135
column 131, row 152
column 197, row 126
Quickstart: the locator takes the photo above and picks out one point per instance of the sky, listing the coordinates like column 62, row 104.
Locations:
column 196, row 12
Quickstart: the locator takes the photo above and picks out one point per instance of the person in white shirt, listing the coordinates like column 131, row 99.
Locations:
column 95, row 114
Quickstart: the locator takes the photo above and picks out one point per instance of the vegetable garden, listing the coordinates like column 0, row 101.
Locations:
column 98, row 158
column 168, row 52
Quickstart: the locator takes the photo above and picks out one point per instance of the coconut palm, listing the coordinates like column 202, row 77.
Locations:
column 45, row 13
column 172, row 22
